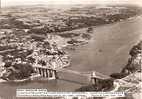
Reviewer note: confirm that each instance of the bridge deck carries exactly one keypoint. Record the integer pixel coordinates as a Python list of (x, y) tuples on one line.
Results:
[(85, 74)]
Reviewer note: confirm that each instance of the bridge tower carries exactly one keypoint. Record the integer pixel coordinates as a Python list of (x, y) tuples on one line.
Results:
[(94, 78)]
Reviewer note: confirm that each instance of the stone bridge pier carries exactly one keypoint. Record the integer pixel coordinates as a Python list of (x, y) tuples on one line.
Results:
[(46, 72)]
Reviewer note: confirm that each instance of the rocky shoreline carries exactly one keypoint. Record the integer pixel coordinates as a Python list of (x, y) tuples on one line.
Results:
[(128, 80), (134, 62)]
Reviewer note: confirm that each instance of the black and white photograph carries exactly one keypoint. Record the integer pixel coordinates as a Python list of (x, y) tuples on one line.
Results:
[(70, 49)]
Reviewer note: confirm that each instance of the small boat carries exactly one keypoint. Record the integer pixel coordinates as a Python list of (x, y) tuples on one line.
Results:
[(76, 42)]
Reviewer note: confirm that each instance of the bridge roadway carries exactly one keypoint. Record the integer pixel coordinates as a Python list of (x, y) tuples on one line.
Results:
[(85, 74)]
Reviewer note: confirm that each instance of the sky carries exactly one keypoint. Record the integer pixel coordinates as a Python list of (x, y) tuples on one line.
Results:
[(32, 2)]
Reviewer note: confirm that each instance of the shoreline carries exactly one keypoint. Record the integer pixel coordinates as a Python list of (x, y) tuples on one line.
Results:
[(108, 25), (123, 20), (68, 67), (130, 76)]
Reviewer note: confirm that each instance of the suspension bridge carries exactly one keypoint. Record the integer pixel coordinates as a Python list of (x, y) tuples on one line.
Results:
[(50, 73)]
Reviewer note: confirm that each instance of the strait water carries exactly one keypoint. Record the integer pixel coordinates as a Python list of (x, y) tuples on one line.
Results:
[(107, 53)]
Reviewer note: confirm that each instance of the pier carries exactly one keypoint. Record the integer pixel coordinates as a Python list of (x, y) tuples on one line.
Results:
[(46, 72)]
